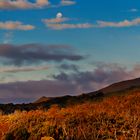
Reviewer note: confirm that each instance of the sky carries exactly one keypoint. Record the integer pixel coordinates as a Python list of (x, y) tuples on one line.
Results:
[(66, 47)]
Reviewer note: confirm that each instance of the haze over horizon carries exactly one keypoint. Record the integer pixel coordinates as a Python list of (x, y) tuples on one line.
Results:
[(66, 47)]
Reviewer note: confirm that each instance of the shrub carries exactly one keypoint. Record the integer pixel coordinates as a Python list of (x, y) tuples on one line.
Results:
[(113, 118), (22, 134), (9, 136), (18, 134)]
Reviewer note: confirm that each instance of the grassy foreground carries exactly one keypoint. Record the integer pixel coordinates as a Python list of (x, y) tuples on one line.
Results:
[(114, 118)]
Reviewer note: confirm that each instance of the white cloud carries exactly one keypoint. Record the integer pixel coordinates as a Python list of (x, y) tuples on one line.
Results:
[(42, 2), (26, 4), (15, 25), (125, 23), (67, 2), (58, 23), (69, 26), (55, 20), (22, 4)]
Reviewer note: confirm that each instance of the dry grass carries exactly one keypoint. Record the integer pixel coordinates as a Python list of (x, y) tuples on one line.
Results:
[(115, 118)]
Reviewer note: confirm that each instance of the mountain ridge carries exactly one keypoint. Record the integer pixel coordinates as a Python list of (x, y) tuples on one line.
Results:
[(116, 89)]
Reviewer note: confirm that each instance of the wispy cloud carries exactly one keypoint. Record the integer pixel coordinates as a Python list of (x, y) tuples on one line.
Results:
[(55, 20), (125, 23), (67, 2), (13, 69), (8, 36), (69, 26), (15, 25), (22, 4), (133, 10), (58, 23), (26, 4)]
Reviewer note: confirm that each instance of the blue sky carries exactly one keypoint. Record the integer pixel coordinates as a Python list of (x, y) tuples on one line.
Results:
[(65, 41)]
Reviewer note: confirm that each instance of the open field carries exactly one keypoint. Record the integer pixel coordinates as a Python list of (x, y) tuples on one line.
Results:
[(114, 118)]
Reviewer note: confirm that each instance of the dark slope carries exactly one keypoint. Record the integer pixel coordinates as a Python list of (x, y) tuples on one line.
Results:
[(42, 99), (121, 88)]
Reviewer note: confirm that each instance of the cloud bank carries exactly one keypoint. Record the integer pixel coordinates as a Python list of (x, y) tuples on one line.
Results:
[(60, 24), (34, 53), (72, 83)]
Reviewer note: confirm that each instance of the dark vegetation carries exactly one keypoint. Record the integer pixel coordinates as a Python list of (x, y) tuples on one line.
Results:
[(116, 89), (61, 101), (115, 118), (99, 115)]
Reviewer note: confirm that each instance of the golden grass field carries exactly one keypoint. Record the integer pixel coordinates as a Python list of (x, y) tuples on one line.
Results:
[(114, 118)]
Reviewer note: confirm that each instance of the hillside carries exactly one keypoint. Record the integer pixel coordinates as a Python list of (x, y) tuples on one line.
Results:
[(113, 118), (121, 88), (42, 99)]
